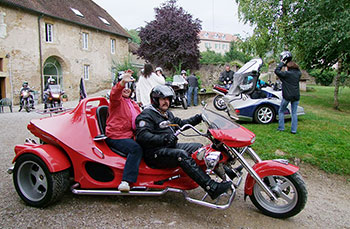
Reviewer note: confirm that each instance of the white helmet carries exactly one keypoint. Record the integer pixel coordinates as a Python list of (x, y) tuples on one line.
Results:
[(183, 72), (159, 69)]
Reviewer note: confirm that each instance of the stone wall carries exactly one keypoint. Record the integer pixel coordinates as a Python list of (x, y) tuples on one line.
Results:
[(20, 41)]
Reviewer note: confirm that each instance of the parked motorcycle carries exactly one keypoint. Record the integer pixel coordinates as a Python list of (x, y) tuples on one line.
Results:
[(179, 85), (27, 101), (54, 97), (218, 101), (42, 172)]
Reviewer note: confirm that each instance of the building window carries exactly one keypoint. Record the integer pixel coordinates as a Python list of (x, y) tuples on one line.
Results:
[(49, 32), (77, 12), (207, 45), (86, 72), (217, 46), (1, 64), (216, 36), (104, 20), (112, 46), (85, 40)]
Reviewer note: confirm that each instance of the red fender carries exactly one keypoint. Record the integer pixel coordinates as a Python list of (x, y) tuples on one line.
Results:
[(267, 168), (55, 159)]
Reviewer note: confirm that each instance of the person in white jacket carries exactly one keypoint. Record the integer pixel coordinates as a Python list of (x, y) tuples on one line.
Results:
[(145, 84)]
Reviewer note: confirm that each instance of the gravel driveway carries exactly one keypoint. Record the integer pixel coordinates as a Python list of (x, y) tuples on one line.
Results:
[(327, 206)]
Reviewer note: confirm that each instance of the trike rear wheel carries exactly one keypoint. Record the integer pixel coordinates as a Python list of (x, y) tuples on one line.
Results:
[(35, 184)]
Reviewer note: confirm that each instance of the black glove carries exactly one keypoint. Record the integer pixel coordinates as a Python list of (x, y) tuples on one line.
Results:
[(170, 140)]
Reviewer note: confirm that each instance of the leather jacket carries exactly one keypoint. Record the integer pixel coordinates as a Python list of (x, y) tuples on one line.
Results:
[(151, 136)]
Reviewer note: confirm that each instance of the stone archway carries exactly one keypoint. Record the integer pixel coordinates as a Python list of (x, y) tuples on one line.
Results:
[(53, 69)]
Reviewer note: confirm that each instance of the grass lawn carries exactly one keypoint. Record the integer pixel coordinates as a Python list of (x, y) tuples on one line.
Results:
[(323, 137)]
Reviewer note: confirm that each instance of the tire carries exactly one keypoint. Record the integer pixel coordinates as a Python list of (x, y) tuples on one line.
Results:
[(184, 103), (264, 114), (35, 184), (291, 196), (26, 105), (219, 103)]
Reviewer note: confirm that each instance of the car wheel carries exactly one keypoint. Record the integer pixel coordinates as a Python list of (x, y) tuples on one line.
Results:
[(35, 184), (264, 114)]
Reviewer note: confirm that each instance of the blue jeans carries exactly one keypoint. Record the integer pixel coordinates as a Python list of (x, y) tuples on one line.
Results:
[(283, 108), (193, 90), (134, 152)]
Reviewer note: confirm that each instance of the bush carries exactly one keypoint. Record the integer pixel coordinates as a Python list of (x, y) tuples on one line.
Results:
[(125, 66), (325, 78)]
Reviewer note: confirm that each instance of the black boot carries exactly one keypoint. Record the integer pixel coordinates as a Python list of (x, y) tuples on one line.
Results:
[(20, 108), (214, 189)]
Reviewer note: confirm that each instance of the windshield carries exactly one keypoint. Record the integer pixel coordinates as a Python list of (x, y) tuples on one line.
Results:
[(55, 88), (179, 79), (216, 121), (240, 77)]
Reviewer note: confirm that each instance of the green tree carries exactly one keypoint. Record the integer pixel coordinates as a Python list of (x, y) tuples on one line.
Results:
[(211, 57), (235, 54), (323, 37), (273, 22), (134, 36)]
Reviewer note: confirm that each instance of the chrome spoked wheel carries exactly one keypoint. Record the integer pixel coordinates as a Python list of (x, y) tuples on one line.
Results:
[(290, 192), (264, 115)]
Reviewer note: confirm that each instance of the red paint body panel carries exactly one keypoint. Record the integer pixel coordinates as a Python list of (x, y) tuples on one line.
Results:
[(267, 168), (237, 137), (54, 158)]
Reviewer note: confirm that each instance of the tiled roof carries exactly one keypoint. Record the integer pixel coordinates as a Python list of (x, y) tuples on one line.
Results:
[(215, 36), (62, 9)]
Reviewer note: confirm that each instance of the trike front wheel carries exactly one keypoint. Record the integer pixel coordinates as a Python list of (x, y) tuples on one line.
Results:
[(291, 196)]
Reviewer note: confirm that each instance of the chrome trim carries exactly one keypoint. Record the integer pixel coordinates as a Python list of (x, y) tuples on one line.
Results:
[(98, 150), (253, 155), (251, 171), (158, 193)]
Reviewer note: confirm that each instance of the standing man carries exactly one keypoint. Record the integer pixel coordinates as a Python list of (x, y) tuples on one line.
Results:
[(192, 88), (290, 89), (226, 77), (161, 149)]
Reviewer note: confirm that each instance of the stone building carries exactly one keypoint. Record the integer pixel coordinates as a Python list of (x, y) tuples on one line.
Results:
[(214, 41), (64, 40)]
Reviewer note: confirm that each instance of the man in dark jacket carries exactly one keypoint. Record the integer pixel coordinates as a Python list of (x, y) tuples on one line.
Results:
[(160, 146), (226, 77), (192, 88), (290, 89)]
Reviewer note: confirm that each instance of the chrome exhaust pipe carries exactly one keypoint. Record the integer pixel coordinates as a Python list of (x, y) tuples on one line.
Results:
[(157, 193), (10, 170)]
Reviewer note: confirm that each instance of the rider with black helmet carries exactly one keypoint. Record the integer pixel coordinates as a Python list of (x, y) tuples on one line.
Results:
[(161, 149), (25, 87)]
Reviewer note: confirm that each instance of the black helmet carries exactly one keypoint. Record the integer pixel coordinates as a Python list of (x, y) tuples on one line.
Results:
[(161, 91), (286, 56), (25, 83)]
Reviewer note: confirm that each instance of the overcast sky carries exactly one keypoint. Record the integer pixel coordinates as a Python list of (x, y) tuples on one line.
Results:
[(216, 16)]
